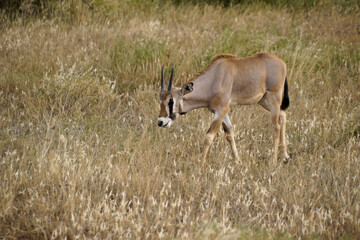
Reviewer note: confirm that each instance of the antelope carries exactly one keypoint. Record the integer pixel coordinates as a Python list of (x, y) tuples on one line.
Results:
[(226, 81)]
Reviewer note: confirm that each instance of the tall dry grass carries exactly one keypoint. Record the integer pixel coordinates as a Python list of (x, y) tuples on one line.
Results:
[(82, 157)]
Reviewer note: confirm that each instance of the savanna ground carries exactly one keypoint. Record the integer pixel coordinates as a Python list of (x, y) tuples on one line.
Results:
[(82, 156)]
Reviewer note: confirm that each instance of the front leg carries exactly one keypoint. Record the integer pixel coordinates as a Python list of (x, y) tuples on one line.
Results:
[(214, 128), (230, 136)]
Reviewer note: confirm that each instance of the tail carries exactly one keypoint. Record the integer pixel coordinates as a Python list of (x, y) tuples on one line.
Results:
[(286, 101)]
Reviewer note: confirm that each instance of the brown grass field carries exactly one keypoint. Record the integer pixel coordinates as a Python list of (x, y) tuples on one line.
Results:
[(81, 156)]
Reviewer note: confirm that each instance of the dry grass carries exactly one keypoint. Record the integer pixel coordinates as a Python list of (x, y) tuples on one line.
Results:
[(82, 157)]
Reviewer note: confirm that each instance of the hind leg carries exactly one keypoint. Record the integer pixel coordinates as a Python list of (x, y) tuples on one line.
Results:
[(230, 136), (282, 136), (271, 102), (275, 119)]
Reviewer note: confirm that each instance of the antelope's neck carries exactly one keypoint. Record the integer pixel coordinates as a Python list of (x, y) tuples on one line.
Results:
[(189, 103)]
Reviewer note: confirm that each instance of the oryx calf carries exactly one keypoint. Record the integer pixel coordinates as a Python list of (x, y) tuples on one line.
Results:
[(227, 81)]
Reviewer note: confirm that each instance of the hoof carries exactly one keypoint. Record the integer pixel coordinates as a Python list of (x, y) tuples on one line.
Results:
[(286, 160), (201, 164), (237, 160)]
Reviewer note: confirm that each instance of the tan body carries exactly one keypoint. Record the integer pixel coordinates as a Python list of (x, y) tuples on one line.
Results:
[(227, 81)]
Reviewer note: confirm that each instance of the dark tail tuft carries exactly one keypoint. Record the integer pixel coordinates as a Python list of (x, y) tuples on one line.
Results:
[(286, 101)]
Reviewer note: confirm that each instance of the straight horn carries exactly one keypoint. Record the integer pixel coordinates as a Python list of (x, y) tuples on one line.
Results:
[(170, 81), (162, 79)]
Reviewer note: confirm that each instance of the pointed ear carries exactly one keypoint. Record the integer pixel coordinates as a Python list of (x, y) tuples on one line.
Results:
[(188, 87)]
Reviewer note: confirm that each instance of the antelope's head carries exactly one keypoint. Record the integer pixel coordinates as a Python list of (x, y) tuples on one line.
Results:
[(168, 99), (170, 102)]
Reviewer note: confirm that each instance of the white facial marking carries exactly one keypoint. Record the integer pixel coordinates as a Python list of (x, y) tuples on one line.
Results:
[(165, 122)]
